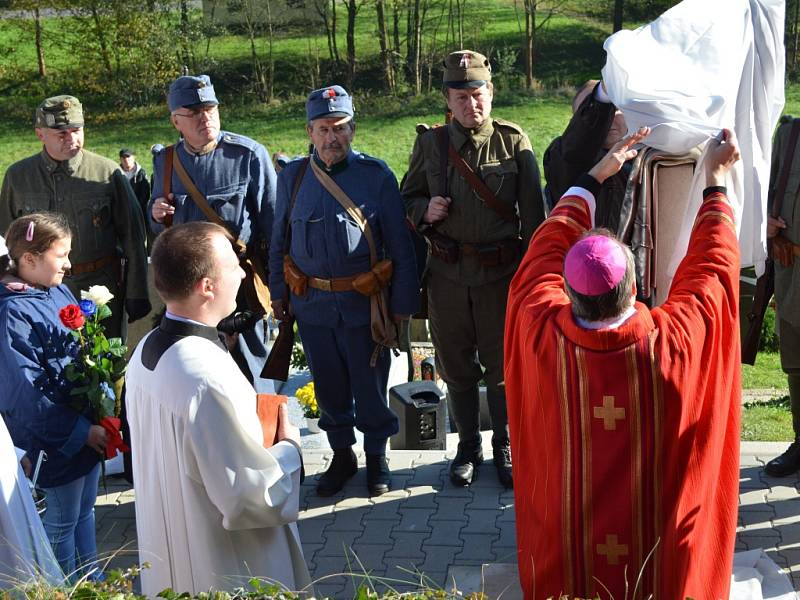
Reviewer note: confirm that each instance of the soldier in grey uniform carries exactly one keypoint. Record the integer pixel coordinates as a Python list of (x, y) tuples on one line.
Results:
[(785, 235), (476, 241), (329, 252), (235, 175), (98, 201)]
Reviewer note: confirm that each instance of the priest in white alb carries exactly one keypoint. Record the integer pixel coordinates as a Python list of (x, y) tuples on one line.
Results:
[(214, 507)]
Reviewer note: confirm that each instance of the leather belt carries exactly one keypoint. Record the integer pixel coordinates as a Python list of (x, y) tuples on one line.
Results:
[(336, 284), (469, 249), (90, 267)]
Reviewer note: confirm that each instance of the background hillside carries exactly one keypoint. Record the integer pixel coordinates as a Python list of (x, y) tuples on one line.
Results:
[(119, 56)]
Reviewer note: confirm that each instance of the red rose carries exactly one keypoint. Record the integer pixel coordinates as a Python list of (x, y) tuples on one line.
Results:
[(71, 316)]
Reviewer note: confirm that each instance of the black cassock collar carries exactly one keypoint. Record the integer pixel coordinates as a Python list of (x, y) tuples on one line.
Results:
[(171, 331)]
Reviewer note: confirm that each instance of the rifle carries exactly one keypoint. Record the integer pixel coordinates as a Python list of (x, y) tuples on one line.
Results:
[(277, 364), (765, 285)]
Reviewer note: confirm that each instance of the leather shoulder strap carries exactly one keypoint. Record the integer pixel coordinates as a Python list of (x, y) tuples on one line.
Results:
[(353, 210), (167, 181), (195, 194), (777, 201), (298, 181), (479, 187), (443, 137)]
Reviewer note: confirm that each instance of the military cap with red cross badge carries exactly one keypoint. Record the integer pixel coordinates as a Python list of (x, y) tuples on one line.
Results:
[(466, 69), (329, 102)]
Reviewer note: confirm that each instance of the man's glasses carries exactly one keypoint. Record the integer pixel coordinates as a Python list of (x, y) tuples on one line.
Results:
[(196, 113)]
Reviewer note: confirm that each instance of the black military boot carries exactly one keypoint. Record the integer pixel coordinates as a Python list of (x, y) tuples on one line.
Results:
[(785, 464), (502, 462), (464, 467), (789, 462), (378, 475), (343, 466)]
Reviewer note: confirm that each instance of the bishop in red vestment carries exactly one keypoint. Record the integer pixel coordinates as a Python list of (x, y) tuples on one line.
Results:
[(625, 430)]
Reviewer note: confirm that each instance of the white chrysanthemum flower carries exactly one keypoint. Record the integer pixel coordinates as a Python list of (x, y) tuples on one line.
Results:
[(98, 294)]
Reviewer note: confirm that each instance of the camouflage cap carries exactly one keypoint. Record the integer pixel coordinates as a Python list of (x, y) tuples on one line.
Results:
[(191, 90), (466, 69), (59, 112)]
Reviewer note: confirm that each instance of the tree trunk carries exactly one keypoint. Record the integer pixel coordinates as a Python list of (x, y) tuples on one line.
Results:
[(259, 78), (618, 5), (333, 31), (530, 28), (39, 48), (101, 39), (795, 37), (187, 51), (352, 10), (270, 55), (415, 62), (460, 22), (386, 58), (396, 26)]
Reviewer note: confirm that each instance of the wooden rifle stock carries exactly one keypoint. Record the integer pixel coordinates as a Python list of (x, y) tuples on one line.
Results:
[(765, 287), (277, 365)]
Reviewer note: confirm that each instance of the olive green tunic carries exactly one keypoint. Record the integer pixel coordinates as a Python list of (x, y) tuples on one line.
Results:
[(102, 211), (467, 300), (501, 154)]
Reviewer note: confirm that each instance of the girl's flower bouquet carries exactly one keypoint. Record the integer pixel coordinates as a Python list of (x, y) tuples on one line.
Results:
[(308, 400), (99, 364)]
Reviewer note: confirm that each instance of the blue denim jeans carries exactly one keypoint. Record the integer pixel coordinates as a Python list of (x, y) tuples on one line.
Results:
[(69, 524)]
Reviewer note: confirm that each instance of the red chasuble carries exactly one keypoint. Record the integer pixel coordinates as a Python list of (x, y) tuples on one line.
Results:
[(626, 441)]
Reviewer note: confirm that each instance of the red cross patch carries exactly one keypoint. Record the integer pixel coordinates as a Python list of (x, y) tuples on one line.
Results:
[(465, 58), (329, 93)]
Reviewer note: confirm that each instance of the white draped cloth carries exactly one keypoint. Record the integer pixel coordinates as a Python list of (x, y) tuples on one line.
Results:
[(25, 553), (213, 506), (701, 66)]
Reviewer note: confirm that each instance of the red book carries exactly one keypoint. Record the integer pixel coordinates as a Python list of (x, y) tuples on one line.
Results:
[(267, 406)]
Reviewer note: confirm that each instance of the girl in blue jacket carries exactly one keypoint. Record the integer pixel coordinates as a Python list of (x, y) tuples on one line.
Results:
[(35, 400)]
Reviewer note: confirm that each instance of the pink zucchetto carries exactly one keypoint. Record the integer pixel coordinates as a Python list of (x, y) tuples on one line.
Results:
[(595, 265)]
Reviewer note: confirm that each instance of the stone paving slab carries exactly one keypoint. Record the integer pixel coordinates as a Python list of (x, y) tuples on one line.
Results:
[(426, 525)]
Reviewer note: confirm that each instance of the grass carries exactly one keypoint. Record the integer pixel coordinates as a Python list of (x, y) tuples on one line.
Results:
[(385, 126), (569, 52), (765, 374), (767, 421)]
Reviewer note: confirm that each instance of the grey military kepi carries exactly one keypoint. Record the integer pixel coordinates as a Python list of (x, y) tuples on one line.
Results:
[(329, 102), (59, 112), (191, 90), (466, 69)]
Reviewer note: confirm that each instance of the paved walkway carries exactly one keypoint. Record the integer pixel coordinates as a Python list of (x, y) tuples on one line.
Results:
[(424, 525)]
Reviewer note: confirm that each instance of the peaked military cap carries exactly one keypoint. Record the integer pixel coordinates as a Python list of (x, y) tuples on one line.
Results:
[(333, 101), (191, 90), (59, 112), (466, 69)]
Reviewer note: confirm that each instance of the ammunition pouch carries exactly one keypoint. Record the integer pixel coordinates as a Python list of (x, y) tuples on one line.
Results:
[(441, 246), (490, 254), (496, 253), (374, 280), (294, 277)]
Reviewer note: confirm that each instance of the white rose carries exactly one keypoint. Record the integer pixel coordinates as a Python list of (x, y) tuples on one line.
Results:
[(98, 294)]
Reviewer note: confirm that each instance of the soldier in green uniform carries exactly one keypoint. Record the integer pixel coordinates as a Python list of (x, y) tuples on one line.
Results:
[(108, 247), (785, 235), (473, 190)]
